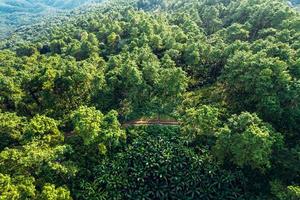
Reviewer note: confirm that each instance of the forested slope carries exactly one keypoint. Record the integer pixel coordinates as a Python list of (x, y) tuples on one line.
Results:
[(227, 70), (17, 13)]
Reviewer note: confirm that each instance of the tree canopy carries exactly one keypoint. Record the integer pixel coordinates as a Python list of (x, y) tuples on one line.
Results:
[(225, 74)]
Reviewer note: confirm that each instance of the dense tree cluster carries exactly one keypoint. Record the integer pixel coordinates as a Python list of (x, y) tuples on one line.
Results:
[(227, 70)]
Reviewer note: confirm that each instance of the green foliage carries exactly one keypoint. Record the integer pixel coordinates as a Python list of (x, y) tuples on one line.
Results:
[(70, 84), (87, 123), (144, 84), (43, 128), (19, 187), (200, 121), (282, 192), (158, 166), (266, 87), (56, 46), (49, 192), (25, 51), (32, 156), (246, 140), (94, 127), (58, 85), (11, 129), (294, 192)]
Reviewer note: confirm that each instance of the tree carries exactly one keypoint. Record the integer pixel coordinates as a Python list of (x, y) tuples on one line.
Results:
[(50, 192), (258, 83), (95, 128), (26, 50), (61, 85), (171, 84), (87, 123), (18, 187), (210, 19), (31, 158), (236, 32), (43, 128), (11, 93), (11, 129), (282, 192), (246, 141), (148, 85), (113, 38), (56, 46), (197, 122)]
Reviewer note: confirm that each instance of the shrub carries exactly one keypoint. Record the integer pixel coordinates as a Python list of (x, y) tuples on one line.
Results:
[(157, 165)]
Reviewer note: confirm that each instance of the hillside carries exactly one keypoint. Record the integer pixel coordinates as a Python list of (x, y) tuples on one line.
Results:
[(16, 13), (38, 6), (296, 4), (153, 99)]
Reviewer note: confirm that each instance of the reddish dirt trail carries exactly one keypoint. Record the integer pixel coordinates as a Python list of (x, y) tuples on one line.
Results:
[(140, 123), (152, 122)]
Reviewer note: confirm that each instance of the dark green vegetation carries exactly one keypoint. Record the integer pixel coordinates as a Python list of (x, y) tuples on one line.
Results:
[(16, 13), (227, 70)]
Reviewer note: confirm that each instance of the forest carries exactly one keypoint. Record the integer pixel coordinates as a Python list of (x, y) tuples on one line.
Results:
[(226, 71), (16, 13)]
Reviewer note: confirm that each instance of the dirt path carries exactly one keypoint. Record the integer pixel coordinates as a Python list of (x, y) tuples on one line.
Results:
[(140, 123), (152, 122)]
